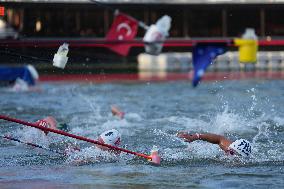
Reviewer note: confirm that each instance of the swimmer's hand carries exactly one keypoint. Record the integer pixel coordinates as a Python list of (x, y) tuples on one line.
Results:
[(117, 112), (188, 137)]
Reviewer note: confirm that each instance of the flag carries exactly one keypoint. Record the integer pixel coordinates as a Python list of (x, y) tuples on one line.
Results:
[(10, 74), (156, 35), (203, 55), (123, 28), (2, 11)]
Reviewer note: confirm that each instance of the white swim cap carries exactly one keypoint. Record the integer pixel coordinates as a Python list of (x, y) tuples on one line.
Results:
[(242, 147), (111, 137)]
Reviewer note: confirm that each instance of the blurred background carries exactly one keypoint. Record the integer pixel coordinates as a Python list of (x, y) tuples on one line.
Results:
[(36, 29)]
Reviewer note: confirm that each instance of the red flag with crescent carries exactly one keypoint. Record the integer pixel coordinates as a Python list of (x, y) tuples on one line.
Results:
[(123, 28), (2, 11)]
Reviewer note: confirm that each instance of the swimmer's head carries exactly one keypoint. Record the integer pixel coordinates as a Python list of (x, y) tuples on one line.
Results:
[(52, 123), (48, 122), (110, 137), (241, 147)]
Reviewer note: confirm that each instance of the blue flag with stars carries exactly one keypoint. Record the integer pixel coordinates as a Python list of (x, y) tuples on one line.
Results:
[(203, 55)]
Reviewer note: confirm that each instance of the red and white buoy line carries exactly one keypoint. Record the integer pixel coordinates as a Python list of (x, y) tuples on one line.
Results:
[(154, 157)]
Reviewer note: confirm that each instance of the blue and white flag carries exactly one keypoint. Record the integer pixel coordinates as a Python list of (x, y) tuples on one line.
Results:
[(10, 74), (203, 55)]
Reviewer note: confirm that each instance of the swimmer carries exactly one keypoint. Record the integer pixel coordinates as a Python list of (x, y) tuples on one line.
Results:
[(239, 147), (117, 112), (50, 122), (111, 137)]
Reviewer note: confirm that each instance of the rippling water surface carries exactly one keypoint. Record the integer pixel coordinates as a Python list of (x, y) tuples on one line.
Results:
[(251, 109)]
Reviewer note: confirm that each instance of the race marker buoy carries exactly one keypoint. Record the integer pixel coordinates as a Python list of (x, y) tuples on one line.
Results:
[(248, 46), (154, 157)]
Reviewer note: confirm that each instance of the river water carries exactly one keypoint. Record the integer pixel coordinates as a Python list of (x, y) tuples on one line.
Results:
[(250, 109)]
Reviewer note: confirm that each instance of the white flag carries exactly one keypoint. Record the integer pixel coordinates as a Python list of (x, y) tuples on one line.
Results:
[(156, 35)]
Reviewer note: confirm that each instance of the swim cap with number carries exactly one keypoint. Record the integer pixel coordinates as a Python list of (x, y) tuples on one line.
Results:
[(111, 137), (242, 147)]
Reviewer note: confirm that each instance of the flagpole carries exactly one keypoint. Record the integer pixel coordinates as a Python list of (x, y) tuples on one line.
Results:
[(116, 11), (143, 25)]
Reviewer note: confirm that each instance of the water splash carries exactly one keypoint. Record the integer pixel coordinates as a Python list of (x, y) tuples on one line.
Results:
[(91, 155), (229, 122), (235, 112), (32, 135)]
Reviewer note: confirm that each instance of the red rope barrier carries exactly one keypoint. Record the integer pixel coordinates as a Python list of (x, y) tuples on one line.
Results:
[(72, 136)]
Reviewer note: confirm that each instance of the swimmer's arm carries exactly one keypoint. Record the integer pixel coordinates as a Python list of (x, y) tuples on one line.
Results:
[(117, 112), (223, 142)]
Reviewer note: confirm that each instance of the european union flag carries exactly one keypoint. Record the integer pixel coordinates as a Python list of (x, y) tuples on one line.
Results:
[(203, 54)]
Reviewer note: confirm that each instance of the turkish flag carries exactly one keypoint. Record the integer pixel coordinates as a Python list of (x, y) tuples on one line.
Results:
[(2, 11), (123, 28)]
